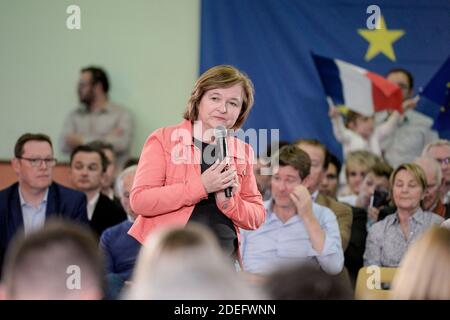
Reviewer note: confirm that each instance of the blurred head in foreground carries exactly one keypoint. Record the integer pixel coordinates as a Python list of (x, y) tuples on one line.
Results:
[(59, 261), (306, 282), (424, 272), (183, 264)]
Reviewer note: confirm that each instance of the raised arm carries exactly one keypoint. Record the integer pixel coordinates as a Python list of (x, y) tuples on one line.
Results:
[(341, 133), (387, 127)]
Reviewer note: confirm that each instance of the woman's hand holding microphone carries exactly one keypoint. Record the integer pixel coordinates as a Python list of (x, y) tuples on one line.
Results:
[(217, 179)]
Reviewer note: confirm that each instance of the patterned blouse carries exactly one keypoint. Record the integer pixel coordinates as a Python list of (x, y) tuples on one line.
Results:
[(386, 244)]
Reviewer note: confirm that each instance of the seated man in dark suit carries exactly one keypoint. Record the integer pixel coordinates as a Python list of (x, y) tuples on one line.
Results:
[(119, 248), (87, 166), (111, 169), (29, 202)]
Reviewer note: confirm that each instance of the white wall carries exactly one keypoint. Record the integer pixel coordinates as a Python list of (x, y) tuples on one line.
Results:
[(148, 47)]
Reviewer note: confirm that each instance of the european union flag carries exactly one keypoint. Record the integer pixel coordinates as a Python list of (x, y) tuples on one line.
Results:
[(271, 41), (438, 91)]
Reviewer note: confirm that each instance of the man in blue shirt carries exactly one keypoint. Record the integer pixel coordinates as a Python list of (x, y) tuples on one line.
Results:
[(296, 229)]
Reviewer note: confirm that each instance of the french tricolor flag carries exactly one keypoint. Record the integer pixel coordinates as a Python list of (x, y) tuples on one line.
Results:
[(356, 88)]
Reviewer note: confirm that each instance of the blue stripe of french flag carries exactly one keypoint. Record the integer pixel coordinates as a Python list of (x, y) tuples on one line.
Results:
[(358, 89)]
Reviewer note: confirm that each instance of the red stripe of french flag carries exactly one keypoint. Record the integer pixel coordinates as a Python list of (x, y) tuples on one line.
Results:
[(386, 95)]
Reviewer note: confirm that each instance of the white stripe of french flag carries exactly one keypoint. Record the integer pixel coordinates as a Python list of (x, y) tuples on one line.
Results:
[(366, 92)]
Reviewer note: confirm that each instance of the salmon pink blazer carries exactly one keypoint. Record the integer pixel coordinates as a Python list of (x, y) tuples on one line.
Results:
[(167, 185)]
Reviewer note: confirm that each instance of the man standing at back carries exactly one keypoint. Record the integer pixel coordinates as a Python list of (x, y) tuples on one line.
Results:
[(29, 202), (97, 118), (413, 131)]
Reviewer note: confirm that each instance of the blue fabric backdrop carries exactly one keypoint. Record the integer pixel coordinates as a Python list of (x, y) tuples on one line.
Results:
[(271, 40)]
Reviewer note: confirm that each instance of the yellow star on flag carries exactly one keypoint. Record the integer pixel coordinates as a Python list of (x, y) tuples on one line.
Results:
[(380, 40)]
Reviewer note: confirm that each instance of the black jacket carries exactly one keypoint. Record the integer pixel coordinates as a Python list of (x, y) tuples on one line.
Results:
[(357, 245), (61, 202), (106, 214)]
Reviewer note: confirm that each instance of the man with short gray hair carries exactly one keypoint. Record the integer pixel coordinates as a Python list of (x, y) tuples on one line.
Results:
[(431, 200), (120, 249), (440, 151)]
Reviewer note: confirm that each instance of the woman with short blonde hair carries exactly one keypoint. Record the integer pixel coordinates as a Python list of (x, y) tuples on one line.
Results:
[(184, 175), (388, 239), (222, 76)]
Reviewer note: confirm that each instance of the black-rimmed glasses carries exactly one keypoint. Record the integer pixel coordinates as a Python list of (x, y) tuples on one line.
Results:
[(37, 162), (444, 160)]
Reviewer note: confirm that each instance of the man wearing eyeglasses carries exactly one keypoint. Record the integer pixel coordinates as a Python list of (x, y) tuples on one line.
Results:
[(440, 151), (29, 202), (432, 200)]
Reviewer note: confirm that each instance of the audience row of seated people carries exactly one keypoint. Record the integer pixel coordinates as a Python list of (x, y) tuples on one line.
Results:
[(188, 263), (377, 196), (35, 198), (322, 223), (304, 223), (310, 217)]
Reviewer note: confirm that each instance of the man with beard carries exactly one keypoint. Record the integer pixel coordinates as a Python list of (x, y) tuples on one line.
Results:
[(97, 118), (87, 168)]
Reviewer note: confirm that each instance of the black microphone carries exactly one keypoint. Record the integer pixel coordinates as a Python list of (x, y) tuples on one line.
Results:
[(220, 133)]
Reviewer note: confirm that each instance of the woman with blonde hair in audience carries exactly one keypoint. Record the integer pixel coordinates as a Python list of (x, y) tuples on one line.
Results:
[(425, 270), (389, 238), (186, 263), (356, 166)]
